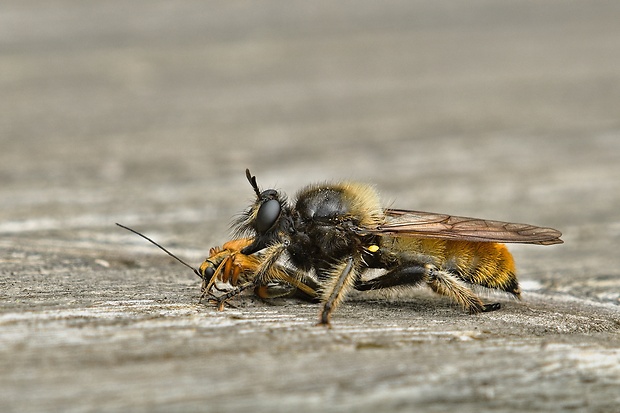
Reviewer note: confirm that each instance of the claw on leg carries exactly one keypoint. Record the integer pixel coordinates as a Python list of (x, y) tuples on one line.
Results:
[(491, 307)]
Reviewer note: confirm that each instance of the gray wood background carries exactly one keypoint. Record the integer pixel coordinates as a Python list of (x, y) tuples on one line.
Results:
[(148, 112)]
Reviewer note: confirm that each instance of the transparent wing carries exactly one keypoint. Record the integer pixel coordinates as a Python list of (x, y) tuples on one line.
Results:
[(420, 224)]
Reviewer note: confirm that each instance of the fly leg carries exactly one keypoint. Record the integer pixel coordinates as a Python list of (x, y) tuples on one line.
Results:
[(410, 275), (440, 281), (445, 283), (288, 282), (341, 279)]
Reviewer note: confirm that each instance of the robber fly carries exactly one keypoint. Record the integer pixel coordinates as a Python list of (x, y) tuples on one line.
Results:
[(338, 231)]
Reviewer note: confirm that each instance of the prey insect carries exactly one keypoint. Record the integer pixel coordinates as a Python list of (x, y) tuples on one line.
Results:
[(227, 265), (339, 231)]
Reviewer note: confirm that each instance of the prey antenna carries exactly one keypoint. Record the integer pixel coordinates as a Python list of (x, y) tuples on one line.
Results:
[(252, 181), (163, 249)]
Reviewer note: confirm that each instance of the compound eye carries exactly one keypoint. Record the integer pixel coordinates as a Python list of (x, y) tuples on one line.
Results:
[(208, 273), (267, 215)]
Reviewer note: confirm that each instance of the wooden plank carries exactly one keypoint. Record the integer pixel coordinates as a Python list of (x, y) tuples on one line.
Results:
[(147, 113)]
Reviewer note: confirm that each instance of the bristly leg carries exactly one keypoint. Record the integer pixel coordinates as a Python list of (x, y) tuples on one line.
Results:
[(344, 276), (267, 270), (445, 283)]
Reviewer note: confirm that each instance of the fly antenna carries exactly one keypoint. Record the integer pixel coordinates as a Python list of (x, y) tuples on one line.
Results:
[(162, 248), (252, 181)]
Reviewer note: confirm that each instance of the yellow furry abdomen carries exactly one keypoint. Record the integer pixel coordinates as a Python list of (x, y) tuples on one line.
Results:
[(483, 263)]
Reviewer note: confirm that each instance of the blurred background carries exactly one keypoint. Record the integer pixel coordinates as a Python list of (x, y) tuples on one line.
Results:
[(150, 111), (147, 113)]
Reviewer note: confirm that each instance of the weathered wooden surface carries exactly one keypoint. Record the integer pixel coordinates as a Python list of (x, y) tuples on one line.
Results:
[(147, 113)]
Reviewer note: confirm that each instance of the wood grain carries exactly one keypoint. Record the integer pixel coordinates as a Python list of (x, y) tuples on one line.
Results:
[(147, 113)]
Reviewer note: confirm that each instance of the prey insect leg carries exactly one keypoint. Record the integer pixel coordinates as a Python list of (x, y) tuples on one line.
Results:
[(222, 299), (266, 271)]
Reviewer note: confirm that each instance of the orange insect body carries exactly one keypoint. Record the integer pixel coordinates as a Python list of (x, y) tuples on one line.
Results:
[(227, 264)]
